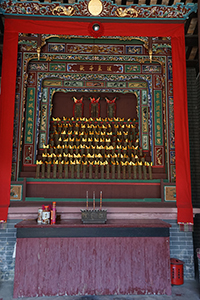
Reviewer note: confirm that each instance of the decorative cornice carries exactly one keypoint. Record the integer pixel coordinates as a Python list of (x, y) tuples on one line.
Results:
[(84, 9)]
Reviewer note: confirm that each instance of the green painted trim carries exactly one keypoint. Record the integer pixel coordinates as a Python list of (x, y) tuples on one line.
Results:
[(43, 124), (133, 68), (57, 68), (158, 118), (30, 112), (102, 40), (90, 200), (145, 120), (20, 179), (70, 83), (89, 180), (116, 84), (145, 141), (131, 60)]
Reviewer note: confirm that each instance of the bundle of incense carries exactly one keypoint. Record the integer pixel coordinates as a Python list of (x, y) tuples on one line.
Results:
[(87, 200), (93, 200), (53, 214), (100, 200)]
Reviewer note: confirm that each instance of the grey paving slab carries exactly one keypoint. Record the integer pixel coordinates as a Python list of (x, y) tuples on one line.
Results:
[(188, 291)]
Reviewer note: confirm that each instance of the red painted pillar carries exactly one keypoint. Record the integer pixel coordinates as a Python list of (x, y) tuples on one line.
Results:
[(199, 31), (7, 100), (183, 178)]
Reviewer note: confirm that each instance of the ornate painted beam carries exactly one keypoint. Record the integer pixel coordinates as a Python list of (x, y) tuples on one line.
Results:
[(97, 9)]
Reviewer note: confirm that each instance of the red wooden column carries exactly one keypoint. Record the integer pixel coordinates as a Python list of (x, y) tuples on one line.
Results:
[(183, 178), (199, 31), (7, 100)]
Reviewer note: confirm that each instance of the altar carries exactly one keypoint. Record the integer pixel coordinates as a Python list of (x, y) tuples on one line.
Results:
[(70, 258)]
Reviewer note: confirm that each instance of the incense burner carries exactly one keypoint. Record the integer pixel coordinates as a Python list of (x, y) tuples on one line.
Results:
[(94, 216)]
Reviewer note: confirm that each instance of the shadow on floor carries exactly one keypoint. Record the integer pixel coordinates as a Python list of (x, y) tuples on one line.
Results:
[(188, 291)]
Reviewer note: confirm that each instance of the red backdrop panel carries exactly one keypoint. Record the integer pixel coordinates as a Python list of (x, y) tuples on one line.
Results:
[(8, 81), (174, 30)]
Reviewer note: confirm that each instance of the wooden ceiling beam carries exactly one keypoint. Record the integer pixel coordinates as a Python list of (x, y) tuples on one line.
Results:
[(187, 24), (189, 49), (197, 55), (191, 40), (196, 28), (171, 2), (198, 22), (1, 24), (192, 64)]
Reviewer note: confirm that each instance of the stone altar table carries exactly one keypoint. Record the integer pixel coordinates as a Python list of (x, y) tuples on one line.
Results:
[(71, 258)]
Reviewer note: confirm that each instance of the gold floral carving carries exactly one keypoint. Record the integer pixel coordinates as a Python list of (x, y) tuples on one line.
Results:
[(38, 52), (126, 12), (59, 10), (159, 156)]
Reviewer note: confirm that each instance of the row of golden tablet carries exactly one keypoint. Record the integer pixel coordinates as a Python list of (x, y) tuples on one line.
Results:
[(96, 134), (90, 147), (93, 129), (96, 160), (135, 156), (95, 125), (98, 127), (87, 141), (99, 119), (77, 162), (89, 144), (95, 138)]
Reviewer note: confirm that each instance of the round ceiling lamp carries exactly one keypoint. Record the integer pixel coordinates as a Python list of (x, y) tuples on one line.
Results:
[(96, 29)]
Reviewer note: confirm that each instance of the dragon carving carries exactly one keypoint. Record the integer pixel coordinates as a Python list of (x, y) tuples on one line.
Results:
[(68, 11), (127, 12)]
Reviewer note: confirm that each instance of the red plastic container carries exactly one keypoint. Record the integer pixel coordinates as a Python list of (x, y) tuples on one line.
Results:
[(176, 271)]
